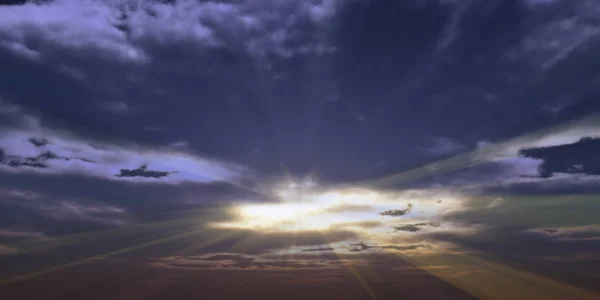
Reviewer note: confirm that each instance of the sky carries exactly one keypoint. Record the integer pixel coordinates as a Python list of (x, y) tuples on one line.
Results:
[(309, 149)]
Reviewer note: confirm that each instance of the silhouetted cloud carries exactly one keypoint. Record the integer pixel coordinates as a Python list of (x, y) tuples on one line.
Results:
[(39, 161), (397, 212), (579, 157), (318, 249), (360, 247), (415, 227), (143, 171)]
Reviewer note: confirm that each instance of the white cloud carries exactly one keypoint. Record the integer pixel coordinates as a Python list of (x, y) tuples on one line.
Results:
[(67, 24), (121, 28), (75, 155)]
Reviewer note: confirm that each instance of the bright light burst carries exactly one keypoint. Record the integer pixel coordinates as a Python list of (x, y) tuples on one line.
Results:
[(308, 208)]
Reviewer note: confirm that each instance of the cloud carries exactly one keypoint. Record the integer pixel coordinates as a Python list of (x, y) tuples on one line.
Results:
[(397, 212), (415, 227), (569, 234), (237, 261), (122, 29), (142, 171), (578, 157), (573, 257), (320, 249), (34, 147), (405, 248), (362, 247)]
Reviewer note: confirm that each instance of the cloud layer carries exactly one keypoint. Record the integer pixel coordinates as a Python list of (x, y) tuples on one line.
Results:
[(123, 29)]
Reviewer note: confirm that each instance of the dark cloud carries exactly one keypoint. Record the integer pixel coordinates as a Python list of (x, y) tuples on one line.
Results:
[(321, 249), (143, 171), (415, 227), (580, 157), (40, 161), (39, 142), (397, 212), (360, 247)]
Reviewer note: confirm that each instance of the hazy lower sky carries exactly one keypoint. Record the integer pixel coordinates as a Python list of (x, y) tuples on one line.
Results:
[(300, 149)]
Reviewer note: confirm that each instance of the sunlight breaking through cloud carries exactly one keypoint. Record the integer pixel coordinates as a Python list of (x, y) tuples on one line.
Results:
[(357, 210)]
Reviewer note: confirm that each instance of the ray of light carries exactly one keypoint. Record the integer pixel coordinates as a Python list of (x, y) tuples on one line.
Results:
[(83, 237), (352, 269), (82, 294), (90, 259), (177, 219), (564, 133), (485, 279)]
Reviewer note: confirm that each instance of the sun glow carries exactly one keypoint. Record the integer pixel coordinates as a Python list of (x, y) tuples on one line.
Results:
[(307, 208)]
